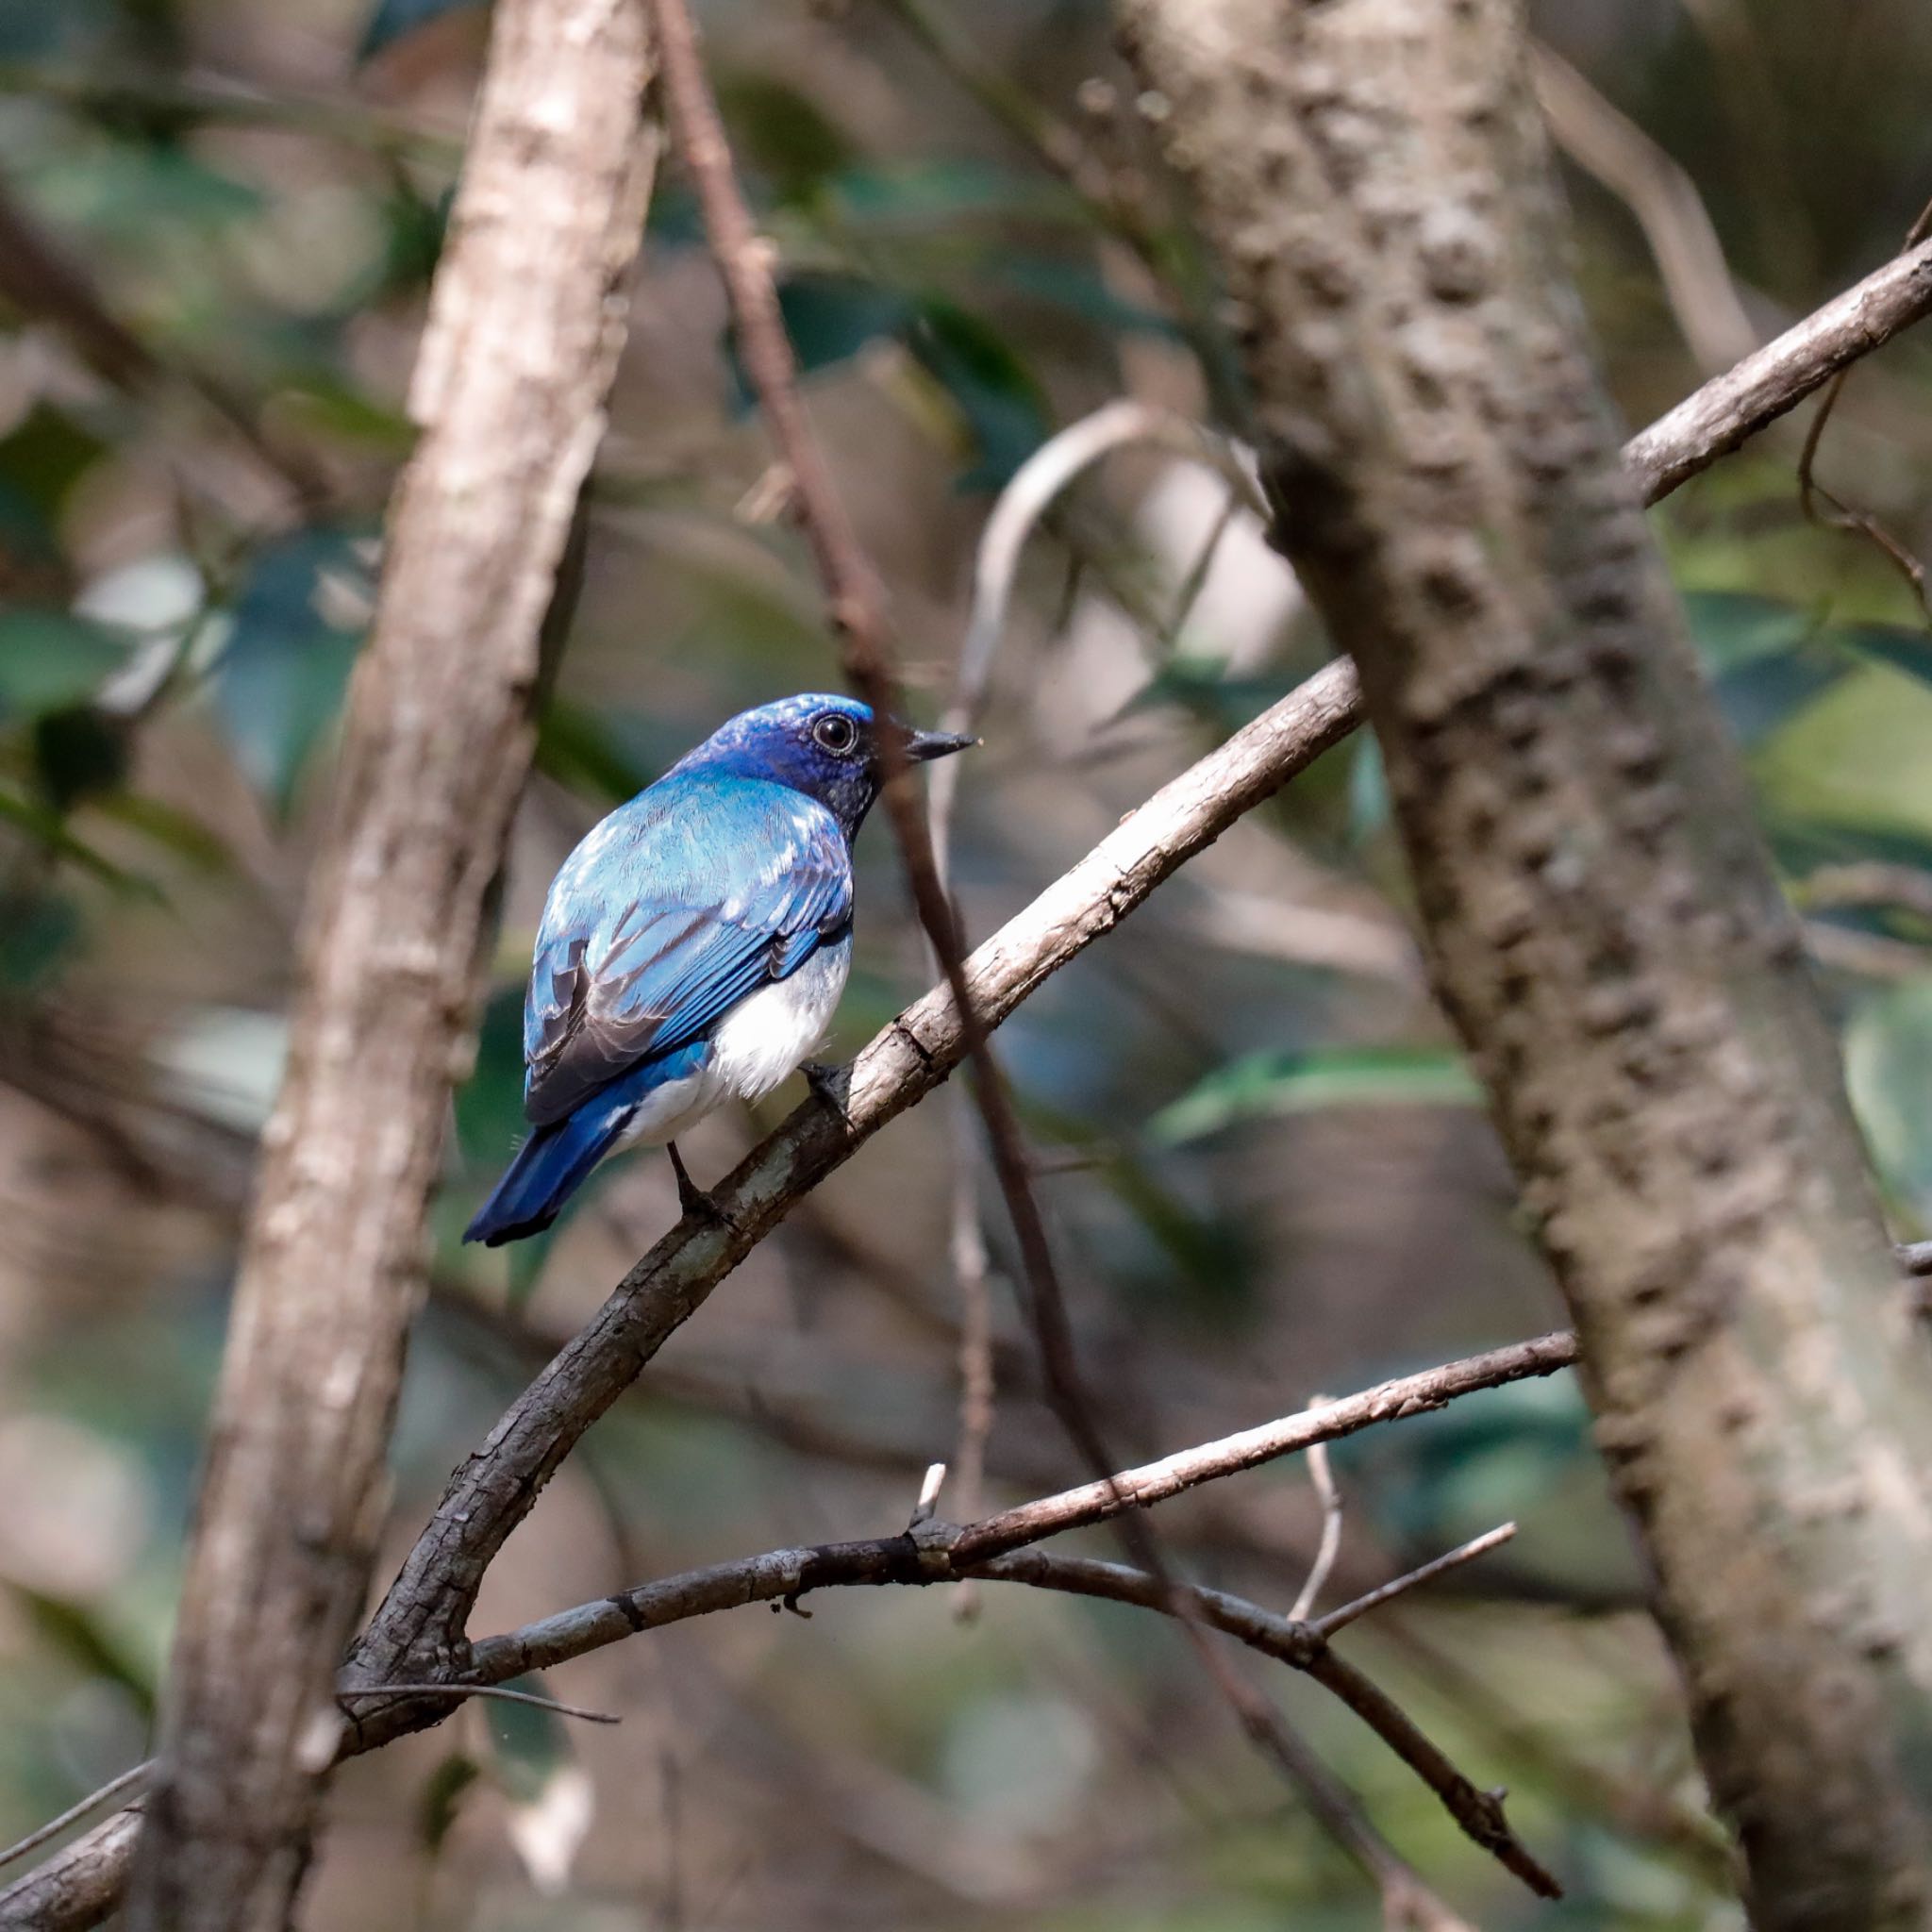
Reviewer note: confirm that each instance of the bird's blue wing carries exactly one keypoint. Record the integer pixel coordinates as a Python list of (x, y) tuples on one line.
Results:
[(681, 903)]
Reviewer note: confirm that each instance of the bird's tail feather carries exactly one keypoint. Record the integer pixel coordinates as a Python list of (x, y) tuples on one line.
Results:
[(549, 1168)]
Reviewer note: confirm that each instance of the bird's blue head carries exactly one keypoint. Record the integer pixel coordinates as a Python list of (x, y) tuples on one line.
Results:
[(828, 747)]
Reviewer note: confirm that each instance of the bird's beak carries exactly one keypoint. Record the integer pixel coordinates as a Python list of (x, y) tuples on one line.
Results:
[(922, 747)]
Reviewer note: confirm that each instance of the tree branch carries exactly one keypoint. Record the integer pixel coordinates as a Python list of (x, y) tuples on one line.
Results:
[(1714, 420)]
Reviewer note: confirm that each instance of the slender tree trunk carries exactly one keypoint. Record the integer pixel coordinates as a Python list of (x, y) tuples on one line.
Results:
[(1602, 924), (525, 321)]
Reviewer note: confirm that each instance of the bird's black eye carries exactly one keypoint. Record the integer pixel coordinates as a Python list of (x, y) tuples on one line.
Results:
[(836, 732)]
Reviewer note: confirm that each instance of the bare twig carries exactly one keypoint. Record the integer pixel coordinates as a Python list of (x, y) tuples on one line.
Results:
[(1016, 513), (81, 1884), (1734, 407), (1154, 1482), (1866, 883), (978, 1383), (856, 602), (1604, 142), (487, 1690), (84, 1880), (933, 1553), (1330, 1546), (114, 1788), (1453, 1560), (1837, 515), (219, 99)]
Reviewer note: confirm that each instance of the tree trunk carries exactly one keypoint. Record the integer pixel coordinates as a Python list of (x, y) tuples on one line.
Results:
[(1602, 924), (527, 318)]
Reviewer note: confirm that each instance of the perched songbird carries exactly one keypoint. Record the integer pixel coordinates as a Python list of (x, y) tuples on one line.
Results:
[(693, 947)]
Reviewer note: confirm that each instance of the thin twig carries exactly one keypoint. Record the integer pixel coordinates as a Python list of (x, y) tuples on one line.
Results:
[(1330, 1546), (114, 1788), (1734, 407), (1872, 882), (855, 600), (1022, 503), (1465, 1552), (935, 1555), (1837, 515), (489, 1691), (978, 1381), (1606, 143)]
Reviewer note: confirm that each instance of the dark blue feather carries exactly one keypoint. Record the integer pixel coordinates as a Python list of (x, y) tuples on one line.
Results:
[(557, 1159)]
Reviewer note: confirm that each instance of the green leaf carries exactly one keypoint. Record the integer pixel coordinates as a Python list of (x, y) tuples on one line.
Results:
[(50, 660), (1267, 1084), (1904, 647), (77, 1632), (1888, 1073), (1201, 686), (1768, 659), (1078, 288), (829, 319), (45, 825), (40, 931), (79, 753), (1368, 790), (1211, 1255), (169, 827), (280, 682), (1004, 409), (783, 140), (143, 193), (41, 459), (490, 1103), (534, 1761), (441, 1800), (924, 194)]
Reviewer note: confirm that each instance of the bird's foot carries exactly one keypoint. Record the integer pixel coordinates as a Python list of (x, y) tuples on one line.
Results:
[(830, 1084), (693, 1204)]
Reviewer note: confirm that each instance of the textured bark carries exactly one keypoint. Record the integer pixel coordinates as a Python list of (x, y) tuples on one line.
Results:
[(525, 321), (1602, 924)]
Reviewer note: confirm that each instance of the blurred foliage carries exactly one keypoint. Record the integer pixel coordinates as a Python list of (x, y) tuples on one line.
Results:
[(1260, 1150)]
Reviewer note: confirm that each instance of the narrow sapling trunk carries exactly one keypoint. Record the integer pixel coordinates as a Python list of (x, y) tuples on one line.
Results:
[(526, 321)]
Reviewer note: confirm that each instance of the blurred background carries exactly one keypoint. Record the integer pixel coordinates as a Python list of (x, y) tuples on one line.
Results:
[(1259, 1150)]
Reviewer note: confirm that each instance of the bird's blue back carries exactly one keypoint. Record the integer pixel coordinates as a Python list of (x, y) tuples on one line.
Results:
[(706, 886)]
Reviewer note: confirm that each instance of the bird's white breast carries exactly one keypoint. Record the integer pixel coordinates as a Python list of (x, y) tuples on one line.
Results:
[(755, 1044)]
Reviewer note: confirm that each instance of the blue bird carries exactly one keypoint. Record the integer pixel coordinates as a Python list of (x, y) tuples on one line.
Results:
[(693, 946)]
